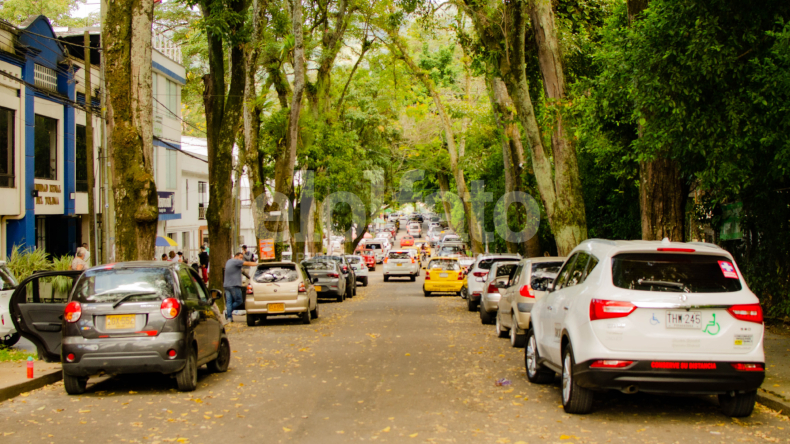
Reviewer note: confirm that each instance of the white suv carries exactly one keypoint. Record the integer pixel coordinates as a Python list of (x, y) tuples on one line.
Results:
[(401, 263), (477, 276), (652, 316), (414, 229)]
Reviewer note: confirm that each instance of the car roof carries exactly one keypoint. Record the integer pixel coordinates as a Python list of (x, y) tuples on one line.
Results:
[(604, 247), (484, 256), (448, 258), (541, 259)]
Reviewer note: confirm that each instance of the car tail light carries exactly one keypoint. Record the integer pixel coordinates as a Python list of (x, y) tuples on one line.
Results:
[(412, 260), (302, 288), (171, 353), (749, 367), (332, 275), (678, 250), (428, 276), (480, 274), (249, 288), (70, 357), (386, 259), (750, 312), (610, 364), (526, 291), (603, 309), (345, 269), (461, 276), (170, 308), (72, 312), (492, 287)]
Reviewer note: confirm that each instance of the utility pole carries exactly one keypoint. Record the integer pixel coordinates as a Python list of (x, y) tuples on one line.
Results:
[(89, 146)]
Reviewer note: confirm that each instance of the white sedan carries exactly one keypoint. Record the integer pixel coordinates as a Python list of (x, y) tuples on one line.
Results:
[(401, 263), (360, 268)]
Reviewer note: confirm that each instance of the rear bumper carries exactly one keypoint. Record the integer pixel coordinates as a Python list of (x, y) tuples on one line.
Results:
[(292, 306), (490, 302), (401, 271), (123, 355), (642, 374), (440, 287)]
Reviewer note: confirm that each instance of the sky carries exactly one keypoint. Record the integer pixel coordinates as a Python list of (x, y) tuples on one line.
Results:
[(86, 8)]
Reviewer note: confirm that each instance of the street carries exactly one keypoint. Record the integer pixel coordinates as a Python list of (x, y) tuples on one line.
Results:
[(389, 365)]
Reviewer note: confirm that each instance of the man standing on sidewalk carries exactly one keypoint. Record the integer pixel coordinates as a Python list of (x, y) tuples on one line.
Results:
[(232, 283), (203, 258)]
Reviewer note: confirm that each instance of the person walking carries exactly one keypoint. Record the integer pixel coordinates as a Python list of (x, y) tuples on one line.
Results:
[(180, 257), (78, 263), (203, 259), (232, 283), (87, 252)]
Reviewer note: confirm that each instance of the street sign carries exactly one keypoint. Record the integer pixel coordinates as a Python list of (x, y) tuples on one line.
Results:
[(266, 248)]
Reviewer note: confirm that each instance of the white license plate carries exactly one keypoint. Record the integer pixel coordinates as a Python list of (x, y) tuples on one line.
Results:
[(443, 275), (684, 319)]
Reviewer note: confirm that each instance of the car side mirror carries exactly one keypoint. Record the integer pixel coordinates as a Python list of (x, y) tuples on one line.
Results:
[(216, 294)]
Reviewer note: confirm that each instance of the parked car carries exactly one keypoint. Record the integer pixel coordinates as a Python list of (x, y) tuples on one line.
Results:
[(8, 335), (369, 256), (455, 249), (478, 272), (377, 246), (443, 274), (359, 265), (407, 241), (278, 289), (500, 274), (348, 272), (414, 229), (327, 278), (529, 283), (652, 316), (128, 317), (401, 263), (393, 230)]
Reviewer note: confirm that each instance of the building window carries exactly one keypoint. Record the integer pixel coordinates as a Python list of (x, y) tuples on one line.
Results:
[(170, 169), (6, 148), (45, 77), (202, 200), (172, 97), (82, 160), (41, 233), (46, 148)]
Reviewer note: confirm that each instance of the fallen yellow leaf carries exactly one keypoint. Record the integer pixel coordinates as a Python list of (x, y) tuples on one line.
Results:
[(413, 435), (286, 429), (386, 429)]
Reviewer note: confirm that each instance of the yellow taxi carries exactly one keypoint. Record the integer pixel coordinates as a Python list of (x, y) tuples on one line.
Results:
[(418, 245), (443, 275)]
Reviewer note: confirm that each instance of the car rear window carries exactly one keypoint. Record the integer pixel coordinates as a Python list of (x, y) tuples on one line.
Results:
[(690, 273), (130, 284), (353, 259), (319, 265), (485, 264), (277, 273), (373, 246), (399, 255), (444, 265), (505, 269)]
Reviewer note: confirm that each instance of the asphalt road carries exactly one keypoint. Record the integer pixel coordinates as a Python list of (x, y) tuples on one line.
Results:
[(389, 365)]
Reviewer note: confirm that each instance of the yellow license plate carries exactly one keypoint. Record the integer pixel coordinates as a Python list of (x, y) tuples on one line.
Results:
[(276, 308), (317, 288), (400, 265), (119, 322)]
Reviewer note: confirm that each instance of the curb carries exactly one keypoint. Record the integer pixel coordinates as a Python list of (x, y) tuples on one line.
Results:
[(36, 383), (773, 402)]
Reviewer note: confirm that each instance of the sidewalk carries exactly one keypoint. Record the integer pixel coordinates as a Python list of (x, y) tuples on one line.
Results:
[(13, 377), (775, 392)]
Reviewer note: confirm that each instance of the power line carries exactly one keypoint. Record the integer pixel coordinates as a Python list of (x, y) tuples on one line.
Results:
[(179, 118)]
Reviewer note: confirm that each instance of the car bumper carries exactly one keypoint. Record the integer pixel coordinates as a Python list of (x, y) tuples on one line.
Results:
[(298, 305), (644, 377), (123, 355), (401, 271), (442, 287), (490, 302)]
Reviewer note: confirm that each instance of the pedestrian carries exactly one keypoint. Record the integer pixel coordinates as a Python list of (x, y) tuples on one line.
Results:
[(232, 283), (180, 257), (87, 252), (172, 256), (164, 257), (203, 259), (78, 263), (249, 256)]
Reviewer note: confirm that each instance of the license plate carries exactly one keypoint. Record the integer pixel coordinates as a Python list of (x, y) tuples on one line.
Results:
[(317, 288), (400, 265), (684, 319), (119, 322), (442, 275), (276, 308)]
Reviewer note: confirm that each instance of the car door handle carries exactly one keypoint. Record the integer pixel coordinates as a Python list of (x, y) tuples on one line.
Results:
[(549, 307), (565, 308)]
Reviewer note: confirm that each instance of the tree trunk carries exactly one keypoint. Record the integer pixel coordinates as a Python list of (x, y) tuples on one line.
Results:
[(223, 121), (444, 187), (127, 47)]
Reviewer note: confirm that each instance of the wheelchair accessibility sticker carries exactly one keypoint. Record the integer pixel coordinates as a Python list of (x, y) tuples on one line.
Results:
[(713, 328)]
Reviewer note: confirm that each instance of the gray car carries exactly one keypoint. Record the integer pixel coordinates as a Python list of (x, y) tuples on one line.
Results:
[(327, 278), (500, 273), (129, 317)]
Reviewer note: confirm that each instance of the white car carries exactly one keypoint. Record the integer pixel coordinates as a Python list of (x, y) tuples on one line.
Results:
[(360, 268), (414, 229), (401, 263), (501, 272), (378, 248), (8, 335), (652, 316), (477, 276)]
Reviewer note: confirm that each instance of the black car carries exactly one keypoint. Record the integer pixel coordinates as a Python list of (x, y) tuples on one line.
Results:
[(348, 272), (327, 278), (129, 317)]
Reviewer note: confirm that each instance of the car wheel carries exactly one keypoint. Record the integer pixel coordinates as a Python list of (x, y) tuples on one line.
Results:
[(386, 278), (536, 373), (74, 385), (10, 340), (485, 316), (738, 405), (463, 293), (341, 296), (427, 293), (413, 278), (365, 282), (314, 312), (516, 340), (470, 304), (251, 318), (575, 399), (500, 329), (354, 289), (305, 315), (187, 377), (221, 363)]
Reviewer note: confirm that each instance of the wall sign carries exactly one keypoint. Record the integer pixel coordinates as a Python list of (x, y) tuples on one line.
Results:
[(167, 203), (46, 188)]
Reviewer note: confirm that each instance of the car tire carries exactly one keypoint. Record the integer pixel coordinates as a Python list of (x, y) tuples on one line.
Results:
[(575, 399), (354, 289), (470, 304), (341, 296), (500, 329), (485, 316), (74, 385), (221, 363), (386, 278), (463, 293), (412, 278), (187, 377), (427, 293), (305, 315), (516, 340), (738, 406), (10, 340), (314, 312), (365, 282), (536, 373), (251, 318)]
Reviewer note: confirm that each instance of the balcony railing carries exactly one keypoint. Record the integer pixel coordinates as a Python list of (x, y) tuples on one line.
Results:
[(167, 47), (202, 212)]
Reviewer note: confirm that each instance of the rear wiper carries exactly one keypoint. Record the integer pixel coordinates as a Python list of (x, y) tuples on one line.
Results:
[(664, 284), (139, 293)]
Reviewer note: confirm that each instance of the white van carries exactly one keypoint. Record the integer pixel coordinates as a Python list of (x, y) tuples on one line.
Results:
[(378, 249)]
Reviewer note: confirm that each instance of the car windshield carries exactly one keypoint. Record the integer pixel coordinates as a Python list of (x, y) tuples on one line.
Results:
[(319, 265), (486, 264), (373, 246), (112, 285), (353, 259), (448, 250), (399, 255), (444, 265), (7, 280), (690, 273), (278, 273)]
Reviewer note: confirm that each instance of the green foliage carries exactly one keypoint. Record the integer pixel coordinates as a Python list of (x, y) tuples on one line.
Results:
[(15, 355), (23, 263), (57, 11), (440, 65)]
